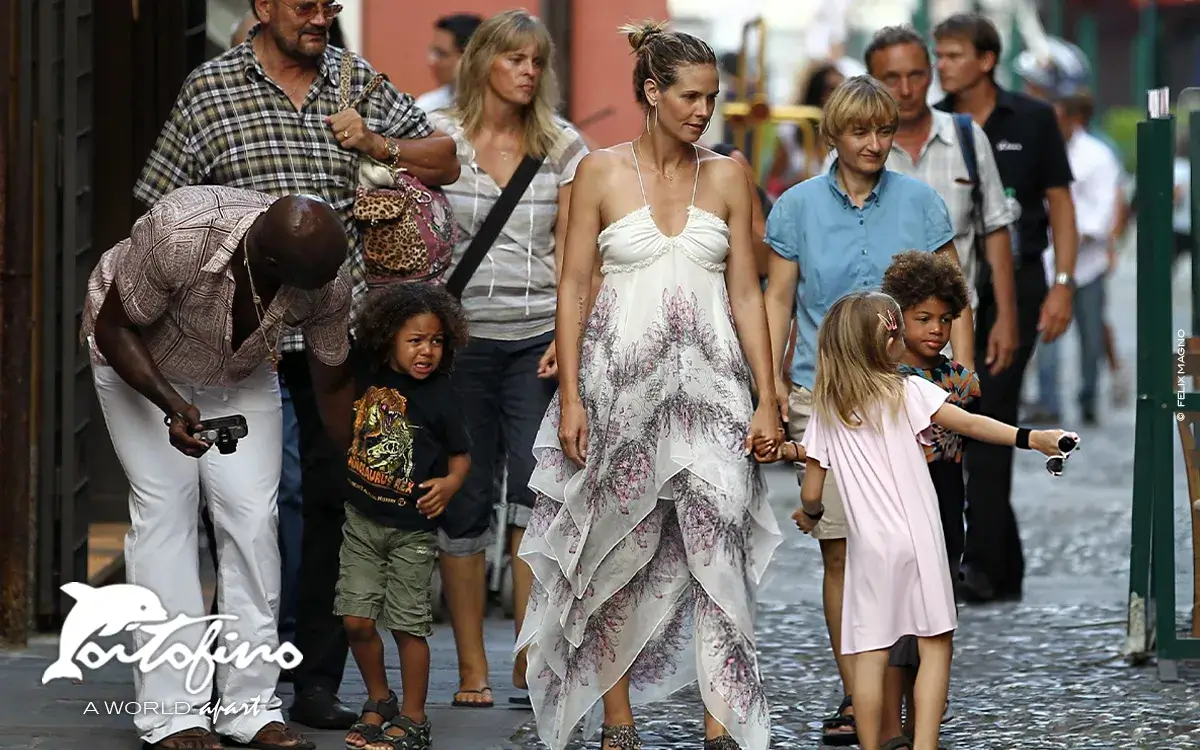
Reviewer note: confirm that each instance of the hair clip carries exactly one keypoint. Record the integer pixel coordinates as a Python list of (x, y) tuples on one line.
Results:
[(888, 320)]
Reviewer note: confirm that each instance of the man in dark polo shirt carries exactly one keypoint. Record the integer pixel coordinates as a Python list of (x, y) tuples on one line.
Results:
[(1033, 167)]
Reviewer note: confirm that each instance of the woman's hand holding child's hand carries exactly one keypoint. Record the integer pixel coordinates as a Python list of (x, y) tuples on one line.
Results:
[(433, 503), (780, 449)]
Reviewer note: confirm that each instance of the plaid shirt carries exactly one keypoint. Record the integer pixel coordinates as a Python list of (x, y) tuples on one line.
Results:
[(234, 126), (176, 285)]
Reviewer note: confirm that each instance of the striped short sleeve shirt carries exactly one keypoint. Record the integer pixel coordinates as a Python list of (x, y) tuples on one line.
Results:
[(513, 294), (232, 125)]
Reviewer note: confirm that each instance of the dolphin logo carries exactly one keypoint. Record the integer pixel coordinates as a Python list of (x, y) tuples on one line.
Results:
[(101, 611)]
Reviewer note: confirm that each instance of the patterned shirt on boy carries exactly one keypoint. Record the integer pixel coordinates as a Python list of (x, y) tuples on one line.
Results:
[(405, 431), (963, 386)]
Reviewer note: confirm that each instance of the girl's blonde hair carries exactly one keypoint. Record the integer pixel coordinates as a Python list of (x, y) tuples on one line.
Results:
[(499, 35), (860, 101), (856, 377)]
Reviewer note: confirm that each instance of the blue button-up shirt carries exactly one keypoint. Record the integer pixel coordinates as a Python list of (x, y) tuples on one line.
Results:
[(842, 248)]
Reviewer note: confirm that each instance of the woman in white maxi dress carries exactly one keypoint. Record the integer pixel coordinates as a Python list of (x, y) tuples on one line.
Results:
[(647, 557)]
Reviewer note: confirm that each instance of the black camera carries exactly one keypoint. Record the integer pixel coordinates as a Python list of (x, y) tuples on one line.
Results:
[(223, 432)]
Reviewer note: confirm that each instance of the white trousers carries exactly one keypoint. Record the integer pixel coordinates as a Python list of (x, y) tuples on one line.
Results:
[(162, 547)]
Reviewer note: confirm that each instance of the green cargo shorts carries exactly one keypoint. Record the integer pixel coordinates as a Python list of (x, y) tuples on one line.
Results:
[(386, 575)]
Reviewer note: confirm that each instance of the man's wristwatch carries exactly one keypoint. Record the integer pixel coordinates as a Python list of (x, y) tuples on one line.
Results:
[(1062, 278), (814, 516)]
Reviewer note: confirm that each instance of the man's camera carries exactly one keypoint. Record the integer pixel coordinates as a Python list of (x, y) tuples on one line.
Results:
[(223, 432)]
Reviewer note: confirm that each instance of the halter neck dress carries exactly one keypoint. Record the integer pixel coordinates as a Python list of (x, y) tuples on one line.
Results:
[(647, 560)]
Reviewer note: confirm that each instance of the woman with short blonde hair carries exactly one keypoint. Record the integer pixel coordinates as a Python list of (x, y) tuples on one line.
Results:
[(861, 102), (504, 114)]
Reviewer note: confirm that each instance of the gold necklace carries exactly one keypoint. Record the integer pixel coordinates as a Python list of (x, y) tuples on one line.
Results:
[(272, 351), (650, 166)]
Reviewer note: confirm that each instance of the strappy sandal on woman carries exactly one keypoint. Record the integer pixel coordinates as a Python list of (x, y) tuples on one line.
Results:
[(620, 737)]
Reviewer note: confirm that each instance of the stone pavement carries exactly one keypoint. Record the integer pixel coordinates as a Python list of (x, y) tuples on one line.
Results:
[(1041, 674), (53, 715)]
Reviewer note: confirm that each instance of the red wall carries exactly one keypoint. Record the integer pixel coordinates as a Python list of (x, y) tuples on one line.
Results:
[(396, 35)]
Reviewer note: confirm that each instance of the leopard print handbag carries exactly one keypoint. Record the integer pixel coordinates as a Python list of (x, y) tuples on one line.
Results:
[(408, 228)]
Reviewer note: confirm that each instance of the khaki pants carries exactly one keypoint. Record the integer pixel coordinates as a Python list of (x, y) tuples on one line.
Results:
[(833, 524)]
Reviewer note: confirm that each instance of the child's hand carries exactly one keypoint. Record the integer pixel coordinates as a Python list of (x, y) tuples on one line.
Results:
[(433, 503), (1046, 441), (804, 522), (786, 451)]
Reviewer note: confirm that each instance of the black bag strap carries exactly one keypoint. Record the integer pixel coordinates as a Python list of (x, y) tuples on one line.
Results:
[(495, 221), (966, 141)]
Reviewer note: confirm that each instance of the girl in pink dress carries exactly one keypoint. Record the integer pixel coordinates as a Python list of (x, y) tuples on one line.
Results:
[(868, 426)]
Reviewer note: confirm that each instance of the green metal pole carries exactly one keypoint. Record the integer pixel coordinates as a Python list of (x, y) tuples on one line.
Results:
[(1054, 18), (1015, 46), (1155, 189), (1145, 73), (921, 19), (1087, 36), (1194, 208)]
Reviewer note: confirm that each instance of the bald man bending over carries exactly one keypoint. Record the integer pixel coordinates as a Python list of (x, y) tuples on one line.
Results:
[(183, 322)]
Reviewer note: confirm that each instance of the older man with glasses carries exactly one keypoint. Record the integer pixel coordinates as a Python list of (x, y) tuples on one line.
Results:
[(267, 116)]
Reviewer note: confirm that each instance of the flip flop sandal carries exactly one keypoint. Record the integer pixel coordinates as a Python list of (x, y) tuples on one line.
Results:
[(897, 743), (521, 701), (470, 704), (838, 721)]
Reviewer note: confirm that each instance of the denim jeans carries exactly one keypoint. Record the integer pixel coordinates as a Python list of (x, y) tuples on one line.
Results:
[(504, 401), (1088, 311), (291, 518)]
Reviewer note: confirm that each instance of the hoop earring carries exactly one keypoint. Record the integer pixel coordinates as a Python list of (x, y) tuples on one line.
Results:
[(653, 108)]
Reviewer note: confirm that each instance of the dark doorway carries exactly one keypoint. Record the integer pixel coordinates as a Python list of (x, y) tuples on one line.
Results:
[(101, 83)]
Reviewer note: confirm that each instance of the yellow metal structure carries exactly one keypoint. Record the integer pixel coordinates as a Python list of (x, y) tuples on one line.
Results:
[(752, 114)]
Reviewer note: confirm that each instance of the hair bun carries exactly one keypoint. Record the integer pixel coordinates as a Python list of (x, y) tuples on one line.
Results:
[(639, 34)]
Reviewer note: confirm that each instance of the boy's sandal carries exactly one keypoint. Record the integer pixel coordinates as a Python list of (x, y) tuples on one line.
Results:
[(840, 721), (897, 743), (415, 736), (385, 709)]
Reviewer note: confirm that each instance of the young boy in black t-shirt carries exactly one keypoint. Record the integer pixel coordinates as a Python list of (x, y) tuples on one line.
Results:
[(408, 457)]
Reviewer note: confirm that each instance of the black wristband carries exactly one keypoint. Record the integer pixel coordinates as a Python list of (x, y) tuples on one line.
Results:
[(814, 516), (1022, 438)]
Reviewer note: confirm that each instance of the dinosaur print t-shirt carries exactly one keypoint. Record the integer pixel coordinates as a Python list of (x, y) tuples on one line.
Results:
[(405, 431)]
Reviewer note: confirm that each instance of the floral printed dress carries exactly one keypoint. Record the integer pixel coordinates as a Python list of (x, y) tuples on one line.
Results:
[(647, 560)]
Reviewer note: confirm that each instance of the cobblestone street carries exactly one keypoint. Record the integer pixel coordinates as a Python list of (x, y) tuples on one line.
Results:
[(1043, 673)]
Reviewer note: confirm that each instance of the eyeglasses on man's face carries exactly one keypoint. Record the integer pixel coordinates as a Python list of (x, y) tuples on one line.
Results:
[(306, 10)]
